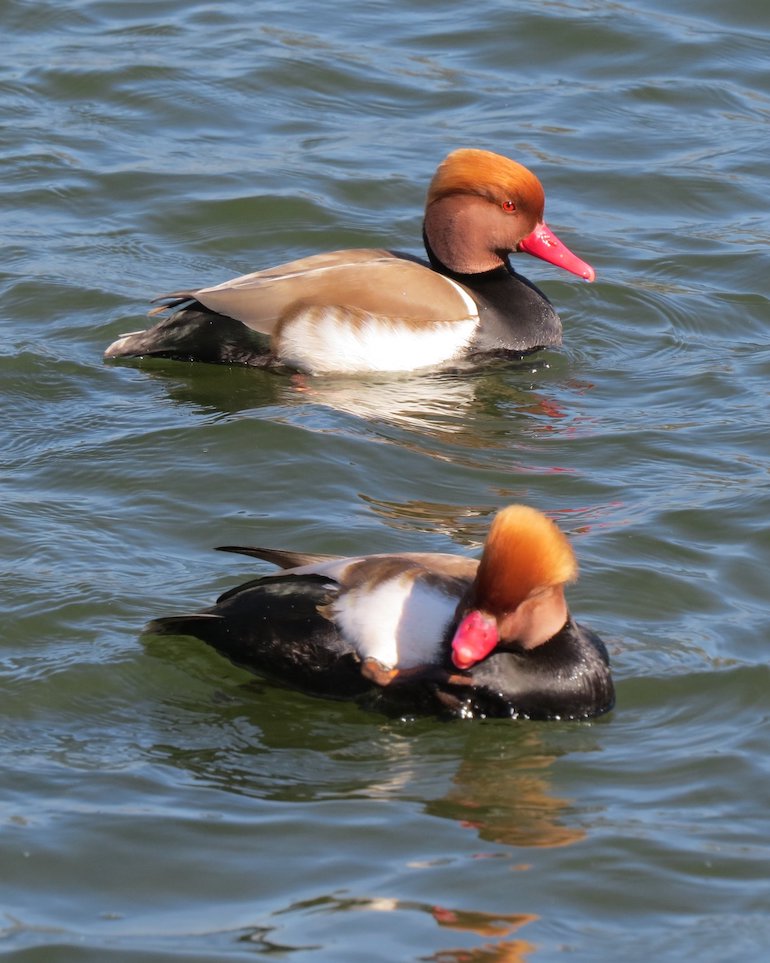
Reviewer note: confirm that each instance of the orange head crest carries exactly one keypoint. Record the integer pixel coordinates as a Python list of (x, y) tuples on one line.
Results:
[(524, 551), (471, 171)]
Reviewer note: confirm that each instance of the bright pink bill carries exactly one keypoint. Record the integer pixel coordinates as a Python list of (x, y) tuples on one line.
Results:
[(474, 639), (543, 243)]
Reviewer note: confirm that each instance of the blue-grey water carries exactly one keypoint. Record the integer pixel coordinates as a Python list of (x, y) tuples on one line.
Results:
[(158, 804)]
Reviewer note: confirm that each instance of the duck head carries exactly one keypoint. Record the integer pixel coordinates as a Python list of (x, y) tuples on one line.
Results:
[(517, 598), (481, 207)]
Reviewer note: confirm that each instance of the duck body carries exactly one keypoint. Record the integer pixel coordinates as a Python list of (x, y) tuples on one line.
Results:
[(384, 629), (365, 310)]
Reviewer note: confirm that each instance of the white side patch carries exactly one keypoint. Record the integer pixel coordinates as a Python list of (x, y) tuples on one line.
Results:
[(324, 340), (401, 623)]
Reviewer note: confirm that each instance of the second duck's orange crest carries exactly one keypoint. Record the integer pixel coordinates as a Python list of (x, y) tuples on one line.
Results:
[(524, 551)]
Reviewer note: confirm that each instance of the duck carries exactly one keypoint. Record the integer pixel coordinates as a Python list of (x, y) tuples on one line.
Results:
[(419, 632), (374, 310)]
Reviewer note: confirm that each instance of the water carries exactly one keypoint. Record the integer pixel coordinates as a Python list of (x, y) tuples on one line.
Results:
[(160, 804)]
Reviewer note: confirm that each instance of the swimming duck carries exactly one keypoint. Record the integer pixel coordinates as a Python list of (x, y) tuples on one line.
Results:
[(421, 632), (365, 310)]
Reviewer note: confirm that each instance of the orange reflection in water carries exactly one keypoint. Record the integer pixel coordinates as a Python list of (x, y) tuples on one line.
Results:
[(510, 805), (484, 924), (496, 925)]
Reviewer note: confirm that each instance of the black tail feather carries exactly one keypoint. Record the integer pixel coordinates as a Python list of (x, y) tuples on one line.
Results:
[(184, 624), (193, 333)]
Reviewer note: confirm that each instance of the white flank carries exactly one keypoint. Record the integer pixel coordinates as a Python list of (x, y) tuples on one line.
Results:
[(326, 340), (400, 623)]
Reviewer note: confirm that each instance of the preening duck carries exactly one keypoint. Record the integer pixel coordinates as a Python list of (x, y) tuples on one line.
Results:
[(377, 310), (421, 632)]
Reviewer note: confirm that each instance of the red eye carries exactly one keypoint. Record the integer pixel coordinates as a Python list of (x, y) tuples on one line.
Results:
[(508, 206)]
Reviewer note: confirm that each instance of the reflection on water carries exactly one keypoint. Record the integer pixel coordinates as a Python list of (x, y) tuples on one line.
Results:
[(445, 403), (511, 804), (499, 927), (496, 778), (329, 763), (465, 526)]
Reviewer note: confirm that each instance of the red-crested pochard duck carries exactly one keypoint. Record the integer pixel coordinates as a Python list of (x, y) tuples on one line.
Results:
[(421, 632), (374, 310)]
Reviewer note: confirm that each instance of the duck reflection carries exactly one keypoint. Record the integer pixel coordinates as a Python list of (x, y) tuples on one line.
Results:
[(472, 408), (500, 927), (491, 780), (494, 776), (509, 801)]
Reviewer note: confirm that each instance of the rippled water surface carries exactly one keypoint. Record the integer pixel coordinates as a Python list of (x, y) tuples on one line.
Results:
[(158, 803)]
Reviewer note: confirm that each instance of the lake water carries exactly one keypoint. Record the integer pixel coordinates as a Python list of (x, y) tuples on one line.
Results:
[(158, 803)]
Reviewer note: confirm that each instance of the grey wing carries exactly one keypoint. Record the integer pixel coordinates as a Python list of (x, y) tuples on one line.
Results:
[(374, 282)]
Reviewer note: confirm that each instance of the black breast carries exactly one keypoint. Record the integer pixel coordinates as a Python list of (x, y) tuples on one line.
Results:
[(514, 314), (566, 678)]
